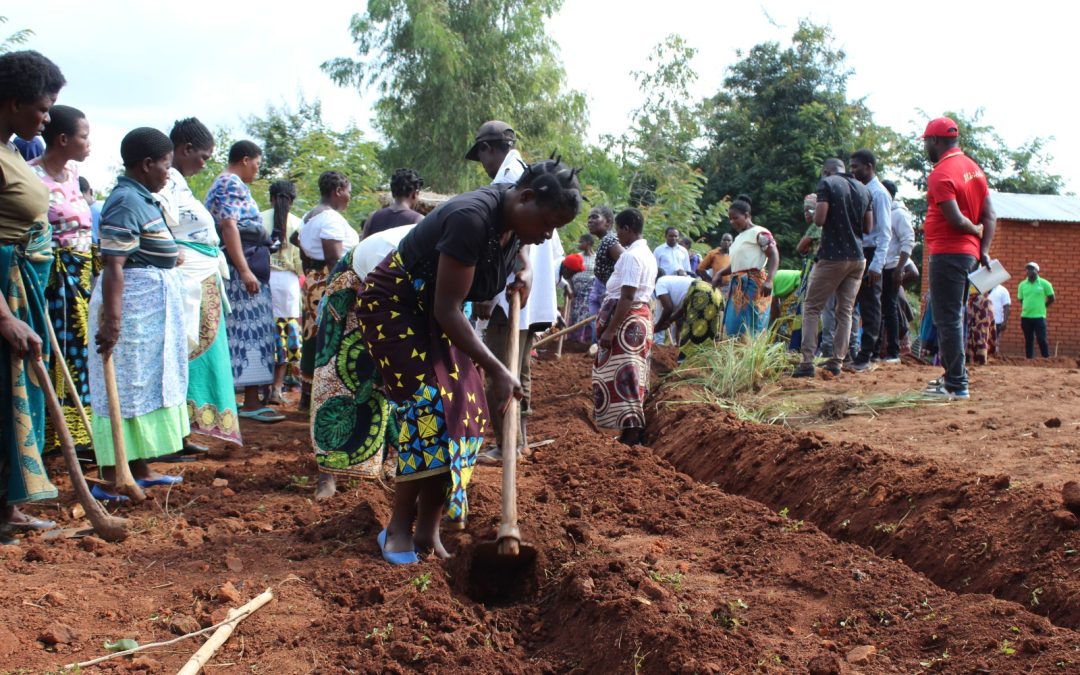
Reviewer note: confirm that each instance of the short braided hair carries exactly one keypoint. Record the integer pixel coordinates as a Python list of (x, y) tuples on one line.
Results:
[(605, 212), (191, 130), (26, 76), (330, 181), (143, 143), (555, 184), (404, 182)]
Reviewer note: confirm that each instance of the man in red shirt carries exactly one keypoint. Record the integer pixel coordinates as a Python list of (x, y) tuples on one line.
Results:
[(959, 228)]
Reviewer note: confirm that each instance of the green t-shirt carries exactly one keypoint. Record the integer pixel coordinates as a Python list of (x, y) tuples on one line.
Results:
[(1033, 297)]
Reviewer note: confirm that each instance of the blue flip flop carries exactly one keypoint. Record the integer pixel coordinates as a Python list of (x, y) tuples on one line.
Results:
[(102, 495), (266, 415), (403, 558), (162, 480)]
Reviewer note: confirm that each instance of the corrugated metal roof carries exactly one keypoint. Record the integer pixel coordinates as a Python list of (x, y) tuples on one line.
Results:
[(1049, 208)]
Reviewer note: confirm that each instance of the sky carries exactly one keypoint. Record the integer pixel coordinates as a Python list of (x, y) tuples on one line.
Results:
[(131, 63)]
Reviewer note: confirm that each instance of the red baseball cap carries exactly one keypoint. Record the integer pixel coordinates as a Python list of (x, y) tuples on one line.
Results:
[(943, 127)]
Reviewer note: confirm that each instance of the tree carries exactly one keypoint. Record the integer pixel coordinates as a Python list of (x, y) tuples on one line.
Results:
[(16, 39), (781, 113), (443, 67)]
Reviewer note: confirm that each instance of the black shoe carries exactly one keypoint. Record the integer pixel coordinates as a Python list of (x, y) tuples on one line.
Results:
[(860, 366), (832, 369), (804, 370), (194, 449)]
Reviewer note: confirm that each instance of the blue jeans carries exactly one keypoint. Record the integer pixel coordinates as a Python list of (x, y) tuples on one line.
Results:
[(948, 293)]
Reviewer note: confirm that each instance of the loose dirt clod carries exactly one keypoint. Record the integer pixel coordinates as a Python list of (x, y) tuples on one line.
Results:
[(1070, 496)]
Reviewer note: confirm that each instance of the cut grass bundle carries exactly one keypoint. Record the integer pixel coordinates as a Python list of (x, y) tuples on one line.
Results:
[(735, 367)]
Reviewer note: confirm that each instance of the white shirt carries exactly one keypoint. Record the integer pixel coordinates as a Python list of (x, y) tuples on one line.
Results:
[(635, 267), (674, 286), (903, 235), (542, 306), (374, 248), (190, 219), (510, 170), (999, 299), (671, 259), (330, 225)]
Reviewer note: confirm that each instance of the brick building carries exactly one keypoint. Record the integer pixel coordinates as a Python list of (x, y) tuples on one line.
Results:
[(1044, 229)]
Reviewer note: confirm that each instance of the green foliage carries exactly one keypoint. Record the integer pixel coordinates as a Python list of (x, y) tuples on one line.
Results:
[(781, 113), (443, 68), (16, 39)]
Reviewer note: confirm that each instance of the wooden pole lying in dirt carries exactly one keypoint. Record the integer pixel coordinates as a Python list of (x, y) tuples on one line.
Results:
[(110, 528), (210, 647), (558, 334)]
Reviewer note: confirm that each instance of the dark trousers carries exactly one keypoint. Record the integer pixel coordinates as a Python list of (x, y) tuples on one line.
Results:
[(1035, 329), (869, 301), (890, 314), (948, 293)]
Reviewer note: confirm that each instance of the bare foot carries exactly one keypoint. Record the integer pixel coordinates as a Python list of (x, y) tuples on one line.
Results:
[(326, 488), (435, 547)]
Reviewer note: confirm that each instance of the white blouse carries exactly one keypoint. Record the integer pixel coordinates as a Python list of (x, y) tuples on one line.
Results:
[(635, 267)]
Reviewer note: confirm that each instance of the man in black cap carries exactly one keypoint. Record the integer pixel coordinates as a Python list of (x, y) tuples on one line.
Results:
[(494, 149)]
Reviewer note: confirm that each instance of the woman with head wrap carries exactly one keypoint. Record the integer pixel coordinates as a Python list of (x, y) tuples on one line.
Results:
[(211, 398), (426, 351), (68, 291), (285, 271), (250, 323), (137, 315), (29, 84)]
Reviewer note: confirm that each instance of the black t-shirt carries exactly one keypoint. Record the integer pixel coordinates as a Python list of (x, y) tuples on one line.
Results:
[(468, 229), (604, 266), (849, 200), (389, 218)]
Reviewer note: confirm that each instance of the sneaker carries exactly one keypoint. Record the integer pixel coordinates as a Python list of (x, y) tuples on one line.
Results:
[(832, 369), (943, 393), (861, 366), (935, 384), (891, 359), (804, 370)]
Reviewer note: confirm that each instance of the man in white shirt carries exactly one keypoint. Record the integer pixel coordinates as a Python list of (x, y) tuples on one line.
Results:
[(1000, 303), (671, 290), (901, 243), (671, 257), (494, 149)]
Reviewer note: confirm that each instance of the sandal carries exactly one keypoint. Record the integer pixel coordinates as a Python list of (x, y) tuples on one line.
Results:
[(31, 523), (266, 415), (102, 495), (402, 558), (160, 480)]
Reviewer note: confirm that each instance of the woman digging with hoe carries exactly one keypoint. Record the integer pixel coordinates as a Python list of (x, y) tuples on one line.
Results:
[(427, 352)]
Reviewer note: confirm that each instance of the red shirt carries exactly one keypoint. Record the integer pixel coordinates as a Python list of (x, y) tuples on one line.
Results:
[(955, 177)]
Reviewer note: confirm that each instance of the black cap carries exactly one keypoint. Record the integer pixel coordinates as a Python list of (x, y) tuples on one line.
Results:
[(491, 131)]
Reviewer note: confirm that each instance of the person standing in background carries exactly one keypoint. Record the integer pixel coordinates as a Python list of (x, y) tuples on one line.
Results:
[(405, 187), (875, 245), (671, 257), (1035, 295), (285, 271), (1002, 304), (901, 244), (95, 207)]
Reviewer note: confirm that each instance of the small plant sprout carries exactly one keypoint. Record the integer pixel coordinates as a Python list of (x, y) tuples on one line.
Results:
[(1035, 596), (422, 582), (1006, 648)]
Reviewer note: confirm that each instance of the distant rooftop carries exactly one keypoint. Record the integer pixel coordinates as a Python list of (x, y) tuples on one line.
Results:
[(1047, 208)]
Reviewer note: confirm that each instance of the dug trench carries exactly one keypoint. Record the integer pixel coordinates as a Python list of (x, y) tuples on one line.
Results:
[(641, 568), (968, 532)]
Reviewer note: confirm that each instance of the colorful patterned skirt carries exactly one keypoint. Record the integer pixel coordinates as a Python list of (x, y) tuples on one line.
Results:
[(151, 363), (288, 341), (435, 385), (24, 271), (211, 394), (979, 326), (251, 332), (314, 287), (701, 318), (353, 427), (68, 297), (747, 311), (582, 283), (620, 375)]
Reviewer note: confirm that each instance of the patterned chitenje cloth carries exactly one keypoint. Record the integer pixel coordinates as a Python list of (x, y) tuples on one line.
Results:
[(314, 287), (288, 341), (436, 386), (68, 298), (747, 311), (251, 332), (24, 270), (701, 323), (211, 396), (620, 375), (582, 284), (353, 427), (979, 326)]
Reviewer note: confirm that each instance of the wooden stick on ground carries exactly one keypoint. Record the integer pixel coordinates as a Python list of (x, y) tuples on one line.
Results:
[(234, 619), (548, 338), (110, 528), (210, 647)]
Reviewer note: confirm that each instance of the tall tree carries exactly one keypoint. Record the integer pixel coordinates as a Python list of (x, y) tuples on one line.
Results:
[(782, 111), (444, 67)]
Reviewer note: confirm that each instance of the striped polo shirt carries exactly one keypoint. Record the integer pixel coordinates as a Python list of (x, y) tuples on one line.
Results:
[(133, 226)]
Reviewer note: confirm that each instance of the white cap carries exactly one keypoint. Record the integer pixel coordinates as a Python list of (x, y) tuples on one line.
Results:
[(1034, 264)]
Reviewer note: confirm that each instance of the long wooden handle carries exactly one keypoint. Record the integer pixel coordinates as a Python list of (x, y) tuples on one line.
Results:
[(558, 334), (68, 379), (214, 643), (566, 319), (109, 528), (509, 537), (125, 482)]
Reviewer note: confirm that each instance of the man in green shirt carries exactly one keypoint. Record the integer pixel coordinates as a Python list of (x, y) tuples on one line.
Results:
[(1035, 295)]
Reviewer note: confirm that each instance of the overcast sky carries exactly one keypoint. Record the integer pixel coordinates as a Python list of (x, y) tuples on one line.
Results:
[(133, 63)]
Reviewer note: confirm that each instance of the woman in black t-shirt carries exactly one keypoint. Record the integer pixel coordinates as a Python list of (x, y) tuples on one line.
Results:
[(427, 352)]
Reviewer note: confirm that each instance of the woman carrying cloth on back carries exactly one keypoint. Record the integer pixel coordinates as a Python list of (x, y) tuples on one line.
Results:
[(211, 397), (29, 84), (754, 259), (427, 353)]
